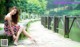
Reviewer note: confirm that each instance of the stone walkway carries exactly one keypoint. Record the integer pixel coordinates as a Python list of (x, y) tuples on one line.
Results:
[(46, 38)]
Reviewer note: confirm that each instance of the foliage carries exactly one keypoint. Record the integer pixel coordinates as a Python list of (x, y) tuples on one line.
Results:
[(30, 6), (2, 10), (74, 12), (2, 7), (24, 15), (72, 6), (36, 6)]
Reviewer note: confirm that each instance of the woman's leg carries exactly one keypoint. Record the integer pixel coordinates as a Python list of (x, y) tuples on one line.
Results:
[(18, 34), (22, 30)]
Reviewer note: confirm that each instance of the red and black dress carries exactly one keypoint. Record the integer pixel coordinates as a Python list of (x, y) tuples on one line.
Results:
[(8, 30)]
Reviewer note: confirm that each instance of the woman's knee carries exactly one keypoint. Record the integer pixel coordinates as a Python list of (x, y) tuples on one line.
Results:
[(22, 27)]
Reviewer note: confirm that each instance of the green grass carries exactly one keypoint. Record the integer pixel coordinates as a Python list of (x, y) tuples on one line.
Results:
[(1, 28), (61, 27), (74, 33)]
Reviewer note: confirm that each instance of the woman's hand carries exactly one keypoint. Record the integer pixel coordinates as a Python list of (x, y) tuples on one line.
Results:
[(14, 37)]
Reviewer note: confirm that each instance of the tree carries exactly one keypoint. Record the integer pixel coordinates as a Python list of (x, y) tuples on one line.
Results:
[(30, 6), (37, 6), (3, 10)]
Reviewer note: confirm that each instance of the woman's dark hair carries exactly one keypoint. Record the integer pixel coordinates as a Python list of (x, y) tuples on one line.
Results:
[(15, 16)]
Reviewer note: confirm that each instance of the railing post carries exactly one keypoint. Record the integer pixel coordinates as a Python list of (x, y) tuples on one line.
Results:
[(49, 22), (42, 19), (45, 22), (56, 24), (66, 26)]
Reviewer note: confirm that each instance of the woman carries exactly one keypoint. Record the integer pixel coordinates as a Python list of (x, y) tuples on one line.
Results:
[(12, 28)]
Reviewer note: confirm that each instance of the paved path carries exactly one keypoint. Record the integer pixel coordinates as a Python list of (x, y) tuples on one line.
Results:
[(46, 38)]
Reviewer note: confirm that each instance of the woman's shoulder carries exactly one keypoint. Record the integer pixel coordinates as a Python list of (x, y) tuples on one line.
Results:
[(7, 17)]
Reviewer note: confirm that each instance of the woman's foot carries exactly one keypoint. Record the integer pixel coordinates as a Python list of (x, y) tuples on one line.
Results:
[(33, 40), (15, 43)]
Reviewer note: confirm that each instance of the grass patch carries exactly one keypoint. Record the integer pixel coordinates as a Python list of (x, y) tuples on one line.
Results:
[(1, 28), (74, 33), (61, 29)]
